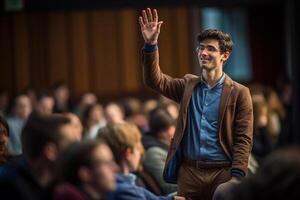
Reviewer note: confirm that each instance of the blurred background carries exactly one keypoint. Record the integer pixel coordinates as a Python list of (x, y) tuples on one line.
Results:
[(94, 46)]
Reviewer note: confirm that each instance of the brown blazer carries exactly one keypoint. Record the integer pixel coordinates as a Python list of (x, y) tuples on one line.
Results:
[(235, 123)]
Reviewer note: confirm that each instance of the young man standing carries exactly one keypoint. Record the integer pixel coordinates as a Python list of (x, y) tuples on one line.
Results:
[(213, 137)]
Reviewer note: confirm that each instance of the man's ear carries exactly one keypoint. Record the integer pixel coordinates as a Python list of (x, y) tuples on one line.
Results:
[(51, 151), (225, 56), (85, 174), (127, 153)]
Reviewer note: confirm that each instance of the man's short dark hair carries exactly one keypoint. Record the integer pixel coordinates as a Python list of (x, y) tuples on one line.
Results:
[(225, 41), (39, 130), (74, 157), (59, 84), (160, 120), (277, 177), (43, 94)]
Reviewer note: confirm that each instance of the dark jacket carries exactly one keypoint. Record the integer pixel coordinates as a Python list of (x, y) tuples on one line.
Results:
[(17, 182)]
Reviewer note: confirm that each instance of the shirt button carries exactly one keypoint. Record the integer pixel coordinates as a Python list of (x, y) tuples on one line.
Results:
[(206, 104)]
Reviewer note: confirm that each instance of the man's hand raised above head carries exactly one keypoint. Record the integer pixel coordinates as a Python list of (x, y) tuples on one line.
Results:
[(150, 26)]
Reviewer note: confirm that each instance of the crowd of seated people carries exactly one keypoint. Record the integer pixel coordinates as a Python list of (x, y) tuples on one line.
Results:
[(50, 149)]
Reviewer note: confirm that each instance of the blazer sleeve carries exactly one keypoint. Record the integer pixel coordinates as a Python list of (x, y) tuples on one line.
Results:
[(243, 131), (153, 77)]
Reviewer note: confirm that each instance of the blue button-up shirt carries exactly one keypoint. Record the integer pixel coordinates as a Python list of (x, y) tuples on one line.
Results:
[(201, 133)]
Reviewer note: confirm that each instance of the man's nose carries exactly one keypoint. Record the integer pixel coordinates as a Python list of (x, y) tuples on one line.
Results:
[(204, 52)]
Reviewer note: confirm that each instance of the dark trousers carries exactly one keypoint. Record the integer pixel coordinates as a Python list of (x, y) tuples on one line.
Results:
[(200, 183)]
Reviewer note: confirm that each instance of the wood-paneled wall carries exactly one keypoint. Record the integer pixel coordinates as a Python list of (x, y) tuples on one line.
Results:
[(92, 50)]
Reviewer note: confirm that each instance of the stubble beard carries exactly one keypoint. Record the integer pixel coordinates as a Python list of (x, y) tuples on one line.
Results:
[(206, 68)]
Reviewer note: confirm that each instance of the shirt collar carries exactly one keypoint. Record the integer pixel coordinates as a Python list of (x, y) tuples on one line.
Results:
[(130, 178), (219, 82)]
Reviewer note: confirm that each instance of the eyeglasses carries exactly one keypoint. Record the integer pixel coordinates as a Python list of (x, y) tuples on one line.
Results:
[(209, 48)]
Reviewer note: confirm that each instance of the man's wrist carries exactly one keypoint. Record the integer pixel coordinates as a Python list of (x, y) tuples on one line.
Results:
[(237, 173), (148, 48)]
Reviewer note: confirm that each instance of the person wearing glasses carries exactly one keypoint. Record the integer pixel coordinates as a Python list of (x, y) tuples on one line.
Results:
[(213, 137)]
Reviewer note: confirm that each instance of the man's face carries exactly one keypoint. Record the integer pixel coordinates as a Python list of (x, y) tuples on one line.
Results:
[(209, 55), (103, 169), (23, 107), (134, 156), (113, 113), (62, 94), (46, 105), (77, 126)]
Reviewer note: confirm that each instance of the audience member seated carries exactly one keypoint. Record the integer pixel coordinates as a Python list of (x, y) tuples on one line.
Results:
[(86, 99), (21, 111), (4, 103), (61, 94), (171, 106), (45, 103), (93, 119), (4, 134), (156, 143), (124, 139), (277, 113), (262, 142), (277, 178), (114, 113), (31, 176), (76, 124), (133, 113), (87, 172)]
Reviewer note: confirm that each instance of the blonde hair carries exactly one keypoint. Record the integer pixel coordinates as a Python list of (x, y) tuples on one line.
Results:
[(119, 137)]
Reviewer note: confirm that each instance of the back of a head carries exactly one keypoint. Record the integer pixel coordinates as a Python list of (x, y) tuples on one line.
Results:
[(22, 106), (75, 156), (225, 41), (119, 137), (277, 178), (40, 130), (160, 120), (131, 106)]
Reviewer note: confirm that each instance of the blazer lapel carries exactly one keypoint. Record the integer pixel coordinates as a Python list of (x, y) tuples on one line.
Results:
[(185, 104), (226, 92)]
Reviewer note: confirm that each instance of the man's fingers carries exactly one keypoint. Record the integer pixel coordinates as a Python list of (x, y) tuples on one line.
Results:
[(155, 17), (145, 17), (141, 22), (149, 14), (159, 25)]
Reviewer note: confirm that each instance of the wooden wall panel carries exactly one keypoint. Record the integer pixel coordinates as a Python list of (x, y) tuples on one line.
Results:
[(129, 51), (58, 48), (92, 50), (104, 34), (184, 62), (6, 51), (79, 58), (21, 51), (38, 50)]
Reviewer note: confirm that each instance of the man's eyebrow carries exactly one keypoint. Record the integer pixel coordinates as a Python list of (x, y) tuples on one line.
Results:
[(203, 45)]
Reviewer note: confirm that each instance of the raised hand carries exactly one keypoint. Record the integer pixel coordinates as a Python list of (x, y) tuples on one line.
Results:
[(179, 198), (150, 26)]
